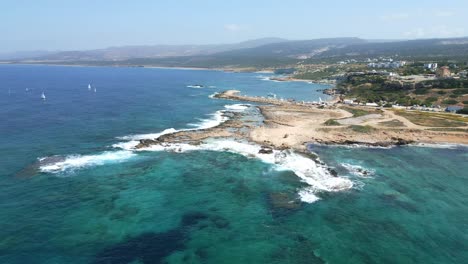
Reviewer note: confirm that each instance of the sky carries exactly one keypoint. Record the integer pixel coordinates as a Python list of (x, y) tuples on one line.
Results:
[(85, 24)]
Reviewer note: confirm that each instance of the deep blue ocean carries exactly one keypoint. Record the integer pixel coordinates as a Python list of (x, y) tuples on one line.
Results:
[(98, 203)]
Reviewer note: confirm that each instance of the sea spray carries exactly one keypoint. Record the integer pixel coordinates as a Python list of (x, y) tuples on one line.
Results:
[(317, 176), (72, 162)]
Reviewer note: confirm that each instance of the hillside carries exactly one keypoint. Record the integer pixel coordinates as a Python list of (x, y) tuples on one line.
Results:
[(267, 52), (154, 51)]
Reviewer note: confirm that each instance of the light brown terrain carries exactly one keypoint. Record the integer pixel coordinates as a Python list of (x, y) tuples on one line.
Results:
[(290, 124)]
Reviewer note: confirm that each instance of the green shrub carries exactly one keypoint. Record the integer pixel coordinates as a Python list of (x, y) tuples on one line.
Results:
[(362, 129), (450, 102), (430, 100), (331, 122)]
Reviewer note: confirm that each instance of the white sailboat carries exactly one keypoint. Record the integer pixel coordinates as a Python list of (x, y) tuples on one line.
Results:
[(95, 89), (43, 96), (89, 87), (320, 98)]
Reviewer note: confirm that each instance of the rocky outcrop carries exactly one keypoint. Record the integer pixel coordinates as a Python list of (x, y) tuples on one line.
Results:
[(265, 150)]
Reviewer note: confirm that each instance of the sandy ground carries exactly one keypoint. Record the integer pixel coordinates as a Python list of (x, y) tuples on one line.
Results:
[(289, 124), (296, 126)]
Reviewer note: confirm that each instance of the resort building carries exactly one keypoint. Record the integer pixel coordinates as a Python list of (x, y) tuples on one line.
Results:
[(430, 66), (443, 72), (453, 108)]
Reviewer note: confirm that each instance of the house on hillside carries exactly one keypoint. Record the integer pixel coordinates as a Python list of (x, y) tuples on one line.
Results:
[(453, 108), (430, 66), (443, 72)]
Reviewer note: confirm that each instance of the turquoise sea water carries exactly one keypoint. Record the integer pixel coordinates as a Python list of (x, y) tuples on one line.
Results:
[(110, 205)]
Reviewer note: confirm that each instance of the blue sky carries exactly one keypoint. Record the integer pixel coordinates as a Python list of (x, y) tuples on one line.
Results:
[(85, 24)]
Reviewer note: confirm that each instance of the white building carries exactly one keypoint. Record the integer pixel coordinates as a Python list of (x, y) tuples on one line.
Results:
[(431, 66), (387, 65)]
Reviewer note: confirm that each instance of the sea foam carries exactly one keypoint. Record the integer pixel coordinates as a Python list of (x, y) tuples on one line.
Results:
[(216, 119), (315, 175), (72, 162), (358, 170)]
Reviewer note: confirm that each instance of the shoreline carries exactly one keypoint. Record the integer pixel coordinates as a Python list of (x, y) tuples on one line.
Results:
[(294, 125), (234, 69)]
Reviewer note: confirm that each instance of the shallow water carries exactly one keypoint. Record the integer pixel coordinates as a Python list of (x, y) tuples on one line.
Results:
[(115, 206)]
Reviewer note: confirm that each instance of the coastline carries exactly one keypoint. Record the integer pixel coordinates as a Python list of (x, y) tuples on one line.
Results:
[(228, 69), (294, 125)]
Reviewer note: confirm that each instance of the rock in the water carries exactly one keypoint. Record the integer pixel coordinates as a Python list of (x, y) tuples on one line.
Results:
[(265, 150), (281, 200), (333, 172)]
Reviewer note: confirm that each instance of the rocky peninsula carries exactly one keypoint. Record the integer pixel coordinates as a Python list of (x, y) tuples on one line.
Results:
[(282, 124)]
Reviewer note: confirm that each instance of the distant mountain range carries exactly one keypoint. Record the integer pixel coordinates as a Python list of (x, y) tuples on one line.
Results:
[(142, 51), (266, 52)]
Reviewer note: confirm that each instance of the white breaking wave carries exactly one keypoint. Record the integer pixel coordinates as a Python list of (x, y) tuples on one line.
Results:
[(213, 95), (440, 145), (148, 136), (316, 176), (80, 161), (358, 170), (216, 119)]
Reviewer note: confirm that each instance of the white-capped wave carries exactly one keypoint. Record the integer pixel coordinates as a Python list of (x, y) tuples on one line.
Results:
[(195, 86), (440, 145), (315, 175), (80, 161), (358, 170), (213, 95), (148, 136), (263, 77), (216, 119), (237, 107)]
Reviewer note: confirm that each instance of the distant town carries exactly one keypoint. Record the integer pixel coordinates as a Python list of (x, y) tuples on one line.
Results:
[(390, 82)]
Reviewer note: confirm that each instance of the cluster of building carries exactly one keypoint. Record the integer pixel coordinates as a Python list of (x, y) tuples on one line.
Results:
[(347, 61), (387, 64), (430, 66)]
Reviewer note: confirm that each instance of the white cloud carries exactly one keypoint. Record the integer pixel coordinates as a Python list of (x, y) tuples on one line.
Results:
[(232, 27), (395, 16), (443, 13)]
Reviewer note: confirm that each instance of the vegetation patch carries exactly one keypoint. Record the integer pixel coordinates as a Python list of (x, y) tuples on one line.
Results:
[(317, 74), (331, 122), (433, 119), (362, 129), (357, 112), (450, 101), (449, 129), (392, 123)]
